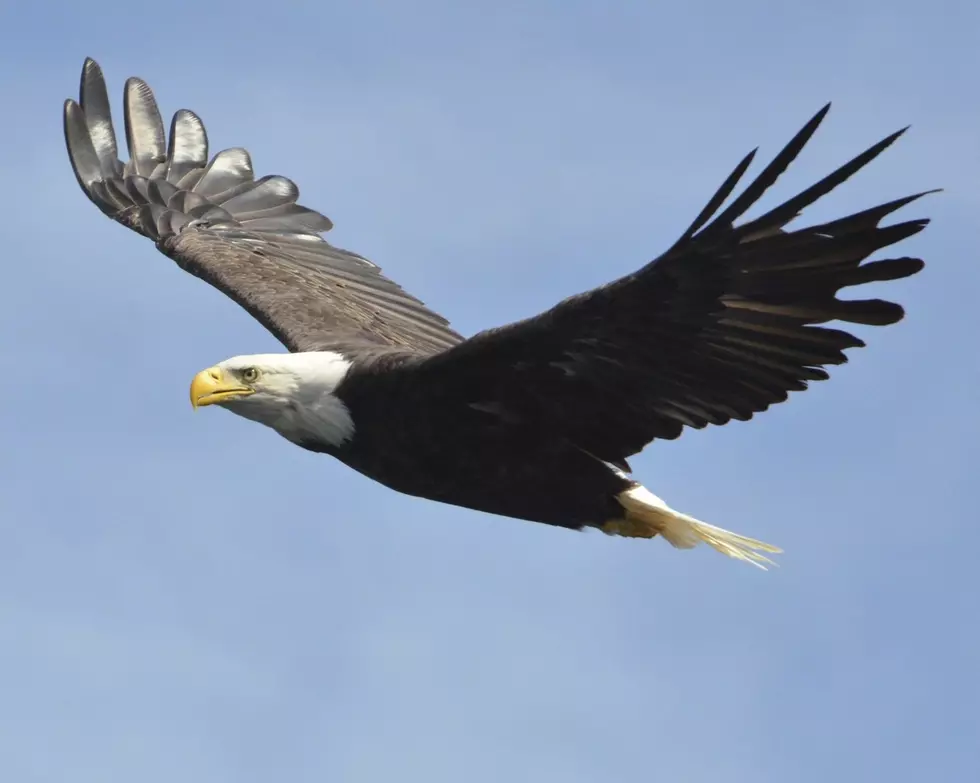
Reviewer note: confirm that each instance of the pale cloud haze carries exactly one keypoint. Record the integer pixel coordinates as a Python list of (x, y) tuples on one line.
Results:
[(188, 597)]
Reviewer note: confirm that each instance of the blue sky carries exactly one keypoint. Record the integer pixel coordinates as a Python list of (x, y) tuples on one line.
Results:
[(188, 597)]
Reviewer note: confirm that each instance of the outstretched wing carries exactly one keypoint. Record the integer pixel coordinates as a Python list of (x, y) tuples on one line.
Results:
[(247, 237), (719, 327)]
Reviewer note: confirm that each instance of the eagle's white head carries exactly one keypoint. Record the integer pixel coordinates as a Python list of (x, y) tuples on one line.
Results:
[(291, 392)]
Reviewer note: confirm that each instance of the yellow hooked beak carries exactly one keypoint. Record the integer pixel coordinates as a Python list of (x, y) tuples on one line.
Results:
[(210, 386)]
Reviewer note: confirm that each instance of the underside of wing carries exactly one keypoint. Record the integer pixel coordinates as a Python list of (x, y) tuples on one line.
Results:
[(722, 326), (248, 237)]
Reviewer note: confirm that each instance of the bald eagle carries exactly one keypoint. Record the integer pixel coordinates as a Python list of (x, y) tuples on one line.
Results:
[(534, 420)]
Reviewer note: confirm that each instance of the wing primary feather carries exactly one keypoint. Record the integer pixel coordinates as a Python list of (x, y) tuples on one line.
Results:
[(98, 117), (227, 169), (788, 210), (719, 197), (861, 221), (190, 179), (144, 128), (883, 270), (255, 197), (289, 217), (802, 255), (767, 178), (81, 152), (188, 147)]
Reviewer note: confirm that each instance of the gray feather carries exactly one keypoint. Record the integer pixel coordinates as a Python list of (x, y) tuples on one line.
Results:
[(190, 179), (265, 193), (98, 117), (81, 151), (226, 170), (188, 147), (290, 217), (144, 128), (249, 238)]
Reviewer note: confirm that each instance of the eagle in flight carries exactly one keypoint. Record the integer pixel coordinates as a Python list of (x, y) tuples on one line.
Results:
[(533, 420)]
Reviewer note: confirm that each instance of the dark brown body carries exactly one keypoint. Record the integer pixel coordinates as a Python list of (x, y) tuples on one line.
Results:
[(427, 442)]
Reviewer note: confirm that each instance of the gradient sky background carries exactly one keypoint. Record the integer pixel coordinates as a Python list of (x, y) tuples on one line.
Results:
[(188, 597)]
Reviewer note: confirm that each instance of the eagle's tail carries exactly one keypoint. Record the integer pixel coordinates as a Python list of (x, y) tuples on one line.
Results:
[(648, 516)]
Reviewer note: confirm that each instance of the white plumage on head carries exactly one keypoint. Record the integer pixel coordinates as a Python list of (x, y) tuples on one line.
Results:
[(293, 393)]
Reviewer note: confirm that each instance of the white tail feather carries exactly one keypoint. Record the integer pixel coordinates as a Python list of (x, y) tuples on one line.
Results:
[(647, 515)]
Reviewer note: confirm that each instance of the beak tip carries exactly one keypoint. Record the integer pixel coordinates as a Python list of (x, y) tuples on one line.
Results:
[(209, 387), (200, 385)]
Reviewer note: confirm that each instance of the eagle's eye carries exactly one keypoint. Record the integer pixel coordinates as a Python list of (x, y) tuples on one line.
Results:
[(250, 375)]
